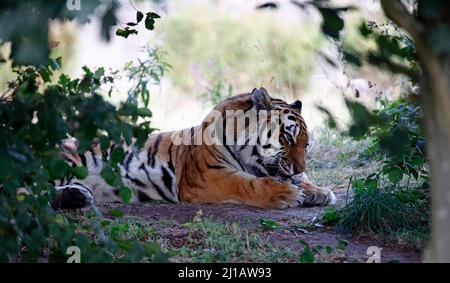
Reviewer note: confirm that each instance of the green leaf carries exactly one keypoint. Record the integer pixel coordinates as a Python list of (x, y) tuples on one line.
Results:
[(329, 249), (352, 58), (332, 23), (46, 74), (6, 168), (342, 244), (116, 213), (139, 16), (358, 184), (125, 32), (269, 224), (80, 172), (117, 155), (371, 185), (125, 194), (153, 15), (149, 22), (108, 175), (144, 112), (395, 175), (417, 160), (58, 168), (99, 73), (364, 30), (331, 216), (307, 255)]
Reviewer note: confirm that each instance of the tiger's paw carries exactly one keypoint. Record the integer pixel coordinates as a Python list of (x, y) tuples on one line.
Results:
[(320, 197), (73, 196), (295, 198), (331, 197)]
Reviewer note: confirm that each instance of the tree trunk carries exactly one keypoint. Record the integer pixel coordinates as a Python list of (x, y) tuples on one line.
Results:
[(438, 153), (435, 92)]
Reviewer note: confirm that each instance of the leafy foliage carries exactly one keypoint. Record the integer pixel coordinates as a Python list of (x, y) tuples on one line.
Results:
[(397, 196), (30, 38), (312, 254), (35, 115), (149, 23), (332, 21), (331, 216), (145, 72), (269, 224)]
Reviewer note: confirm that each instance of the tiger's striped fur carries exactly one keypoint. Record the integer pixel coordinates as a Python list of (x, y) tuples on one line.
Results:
[(254, 174)]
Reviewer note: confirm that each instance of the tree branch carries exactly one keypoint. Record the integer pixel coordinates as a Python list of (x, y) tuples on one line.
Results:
[(395, 11)]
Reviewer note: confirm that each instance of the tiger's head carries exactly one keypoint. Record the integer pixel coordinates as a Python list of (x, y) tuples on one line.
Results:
[(277, 145)]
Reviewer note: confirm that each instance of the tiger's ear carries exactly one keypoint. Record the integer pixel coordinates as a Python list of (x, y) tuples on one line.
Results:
[(297, 105), (261, 99)]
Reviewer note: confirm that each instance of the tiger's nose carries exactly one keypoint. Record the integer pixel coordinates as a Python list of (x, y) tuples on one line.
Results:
[(298, 169)]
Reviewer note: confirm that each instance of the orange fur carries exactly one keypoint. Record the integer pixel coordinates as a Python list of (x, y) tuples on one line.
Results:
[(205, 173)]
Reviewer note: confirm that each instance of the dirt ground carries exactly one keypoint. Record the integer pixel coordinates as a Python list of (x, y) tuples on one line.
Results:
[(295, 224)]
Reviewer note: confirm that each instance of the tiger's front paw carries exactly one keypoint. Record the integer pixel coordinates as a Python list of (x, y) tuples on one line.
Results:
[(296, 198), (320, 197)]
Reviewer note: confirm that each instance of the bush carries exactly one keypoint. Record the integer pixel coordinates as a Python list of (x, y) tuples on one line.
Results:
[(34, 116), (397, 196)]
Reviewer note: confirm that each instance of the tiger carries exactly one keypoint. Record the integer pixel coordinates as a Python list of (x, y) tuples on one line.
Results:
[(262, 170)]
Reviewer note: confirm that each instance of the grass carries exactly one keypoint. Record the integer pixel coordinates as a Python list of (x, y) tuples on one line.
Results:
[(230, 243), (201, 240), (392, 216), (374, 211), (332, 158)]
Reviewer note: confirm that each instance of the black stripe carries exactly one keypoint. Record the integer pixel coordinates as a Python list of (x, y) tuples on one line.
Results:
[(234, 156), (69, 180), (105, 156), (217, 167), (259, 173), (128, 160), (255, 151), (167, 178), (227, 146), (93, 157), (142, 197), (142, 167), (171, 168), (135, 181), (83, 160), (219, 156), (158, 188), (154, 150), (160, 192), (113, 146)]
